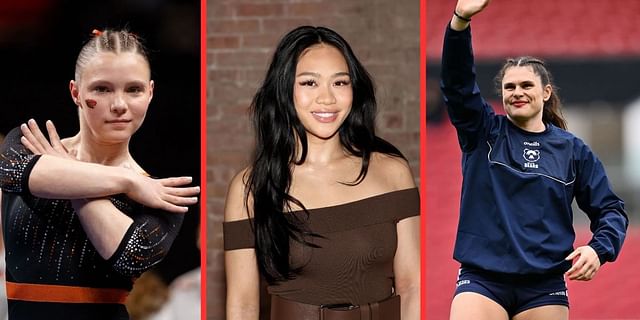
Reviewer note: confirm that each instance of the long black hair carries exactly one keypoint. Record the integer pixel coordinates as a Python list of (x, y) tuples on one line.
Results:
[(281, 143)]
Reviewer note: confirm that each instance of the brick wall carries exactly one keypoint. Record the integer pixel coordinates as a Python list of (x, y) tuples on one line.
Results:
[(241, 36)]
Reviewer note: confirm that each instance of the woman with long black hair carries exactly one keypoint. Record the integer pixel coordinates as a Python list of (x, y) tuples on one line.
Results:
[(327, 212)]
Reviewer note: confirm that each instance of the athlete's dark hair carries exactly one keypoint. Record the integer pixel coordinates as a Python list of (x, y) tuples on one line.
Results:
[(281, 143), (552, 108)]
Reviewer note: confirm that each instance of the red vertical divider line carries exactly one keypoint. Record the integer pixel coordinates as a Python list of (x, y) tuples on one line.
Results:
[(423, 157), (203, 159)]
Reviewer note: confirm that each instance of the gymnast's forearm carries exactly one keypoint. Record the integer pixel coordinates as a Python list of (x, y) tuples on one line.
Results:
[(103, 223), (58, 178)]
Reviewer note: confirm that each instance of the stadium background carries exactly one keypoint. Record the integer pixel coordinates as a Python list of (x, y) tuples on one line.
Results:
[(593, 50)]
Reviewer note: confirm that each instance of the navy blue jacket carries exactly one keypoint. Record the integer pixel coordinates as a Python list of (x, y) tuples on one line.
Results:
[(518, 186)]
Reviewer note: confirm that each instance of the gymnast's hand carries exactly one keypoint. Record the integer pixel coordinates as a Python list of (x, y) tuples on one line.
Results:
[(36, 142), (169, 194), (585, 266)]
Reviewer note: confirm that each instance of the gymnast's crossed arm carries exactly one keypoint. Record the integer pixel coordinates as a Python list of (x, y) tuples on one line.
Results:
[(54, 173)]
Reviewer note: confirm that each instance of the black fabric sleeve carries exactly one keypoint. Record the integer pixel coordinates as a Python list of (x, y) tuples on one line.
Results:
[(146, 242), (16, 163)]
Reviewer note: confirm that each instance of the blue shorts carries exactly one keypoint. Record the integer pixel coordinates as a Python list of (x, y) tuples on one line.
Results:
[(515, 293)]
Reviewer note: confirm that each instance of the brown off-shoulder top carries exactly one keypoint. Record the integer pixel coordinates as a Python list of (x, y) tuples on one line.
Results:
[(354, 263)]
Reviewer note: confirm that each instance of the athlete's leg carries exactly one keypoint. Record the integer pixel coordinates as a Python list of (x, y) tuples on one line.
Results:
[(474, 306), (548, 312)]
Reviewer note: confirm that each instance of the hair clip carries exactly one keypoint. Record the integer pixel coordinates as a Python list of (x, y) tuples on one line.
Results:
[(96, 32)]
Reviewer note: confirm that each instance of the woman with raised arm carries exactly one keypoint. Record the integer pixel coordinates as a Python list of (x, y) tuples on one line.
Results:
[(327, 213), (521, 173), (81, 218)]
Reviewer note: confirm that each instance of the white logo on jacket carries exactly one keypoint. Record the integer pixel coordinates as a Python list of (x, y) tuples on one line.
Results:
[(531, 156), (532, 143)]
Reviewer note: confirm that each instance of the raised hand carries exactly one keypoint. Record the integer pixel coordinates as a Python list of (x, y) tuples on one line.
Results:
[(469, 8), (34, 140), (585, 266)]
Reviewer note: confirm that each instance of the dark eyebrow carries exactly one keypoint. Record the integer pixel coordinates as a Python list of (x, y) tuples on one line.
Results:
[(314, 74), (317, 75), (341, 74), (521, 83)]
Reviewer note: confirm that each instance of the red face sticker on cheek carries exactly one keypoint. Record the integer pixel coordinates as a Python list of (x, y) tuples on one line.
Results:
[(90, 103)]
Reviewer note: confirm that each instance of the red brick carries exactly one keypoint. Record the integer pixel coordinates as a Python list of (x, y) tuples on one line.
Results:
[(254, 77), (238, 158), (402, 139), (231, 142), (358, 9), (307, 9), (240, 59), (217, 191), (215, 9), (225, 128), (222, 175), (212, 111), (260, 41), (239, 111), (229, 93), (391, 120), (233, 26), (259, 10), (223, 42), (210, 59), (281, 26), (224, 75)]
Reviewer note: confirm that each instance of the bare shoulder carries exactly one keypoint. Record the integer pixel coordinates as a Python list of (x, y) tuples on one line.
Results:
[(394, 170), (71, 143), (235, 207)]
